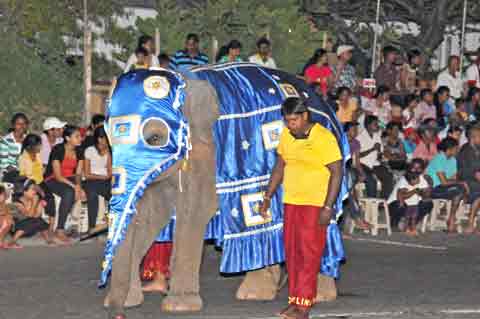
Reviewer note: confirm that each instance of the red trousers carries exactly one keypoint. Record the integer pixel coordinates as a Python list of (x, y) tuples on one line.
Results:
[(157, 260), (304, 244)]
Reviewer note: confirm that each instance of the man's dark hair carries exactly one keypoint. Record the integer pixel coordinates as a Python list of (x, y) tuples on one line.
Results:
[(98, 119), (459, 101), (234, 44), (425, 92), (144, 39), (141, 50), (342, 89), (391, 125), (447, 143), (193, 36), (294, 105), (410, 98), (30, 141), (389, 49), (472, 126), (443, 89), (369, 119), (382, 89), (163, 58), (18, 116), (263, 40), (410, 176), (454, 129), (347, 126), (419, 161), (412, 54)]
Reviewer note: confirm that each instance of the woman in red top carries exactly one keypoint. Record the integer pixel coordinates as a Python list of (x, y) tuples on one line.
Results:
[(319, 73), (63, 175)]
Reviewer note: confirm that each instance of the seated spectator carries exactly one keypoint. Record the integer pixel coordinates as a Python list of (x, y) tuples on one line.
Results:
[(28, 217), (63, 176), (396, 114), (387, 74), (370, 155), (347, 105), (393, 148), (233, 52), (472, 105), (455, 132), (451, 77), (6, 219), (460, 108), (409, 142), (98, 120), (319, 73), (442, 169), (145, 43), (410, 198), (355, 174), (344, 73), (11, 147), (443, 105), (98, 173), (427, 147), (468, 161), (380, 106), (52, 135), (408, 72), (425, 109), (408, 114), (31, 167), (263, 55), (164, 61)]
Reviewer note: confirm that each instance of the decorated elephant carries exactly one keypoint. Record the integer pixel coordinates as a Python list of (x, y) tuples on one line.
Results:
[(193, 144)]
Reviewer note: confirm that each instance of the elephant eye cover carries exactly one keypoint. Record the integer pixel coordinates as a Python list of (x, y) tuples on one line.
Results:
[(148, 134)]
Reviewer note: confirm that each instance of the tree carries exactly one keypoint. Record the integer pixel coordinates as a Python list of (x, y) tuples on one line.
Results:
[(352, 21)]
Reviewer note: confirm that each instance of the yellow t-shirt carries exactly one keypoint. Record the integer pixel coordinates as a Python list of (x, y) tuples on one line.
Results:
[(31, 169), (346, 114), (306, 175)]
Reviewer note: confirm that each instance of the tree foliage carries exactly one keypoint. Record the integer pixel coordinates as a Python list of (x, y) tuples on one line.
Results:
[(352, 21)]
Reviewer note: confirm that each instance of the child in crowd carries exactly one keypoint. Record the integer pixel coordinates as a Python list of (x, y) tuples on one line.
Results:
[(6, 219), (143, 58), (380, 106), (29, 211), (408, 114), (164, 60), (409, 142), (426, 108)]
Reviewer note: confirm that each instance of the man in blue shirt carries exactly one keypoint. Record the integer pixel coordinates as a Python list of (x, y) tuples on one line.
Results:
[(190, 56), (442, 169)]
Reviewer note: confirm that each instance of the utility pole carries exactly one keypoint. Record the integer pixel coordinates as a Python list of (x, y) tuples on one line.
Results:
[(87, 64)]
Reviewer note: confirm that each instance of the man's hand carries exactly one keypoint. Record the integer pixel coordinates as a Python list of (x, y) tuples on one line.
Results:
[(325, 216), (264, 208)]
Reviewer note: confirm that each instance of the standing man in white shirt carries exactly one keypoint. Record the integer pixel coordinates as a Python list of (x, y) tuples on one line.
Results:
[(472, 77), (452, 78), (263, 55), (370, 154)]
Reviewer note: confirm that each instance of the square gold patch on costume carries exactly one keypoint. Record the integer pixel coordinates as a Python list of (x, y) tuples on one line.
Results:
[(124, 129), (119, 180), (251, 209), (289, 90), (271, 134)]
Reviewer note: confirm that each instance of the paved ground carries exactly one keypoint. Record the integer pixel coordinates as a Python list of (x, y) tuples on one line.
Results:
[(379, 280)]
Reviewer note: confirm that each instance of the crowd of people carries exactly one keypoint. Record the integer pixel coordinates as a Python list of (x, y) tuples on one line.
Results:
[(416, 138), (66, 161)]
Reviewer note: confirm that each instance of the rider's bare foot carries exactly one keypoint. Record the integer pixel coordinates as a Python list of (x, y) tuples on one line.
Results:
[(158, 284)]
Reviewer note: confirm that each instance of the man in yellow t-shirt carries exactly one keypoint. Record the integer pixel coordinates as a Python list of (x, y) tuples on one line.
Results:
[(309, 164)]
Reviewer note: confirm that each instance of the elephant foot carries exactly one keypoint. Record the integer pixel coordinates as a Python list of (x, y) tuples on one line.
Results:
[(133, 300), (159, 284), (186, 303), (326, 289), (260, 284)]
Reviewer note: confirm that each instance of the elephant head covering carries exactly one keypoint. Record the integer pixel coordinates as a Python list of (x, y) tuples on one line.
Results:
[(148, 134)]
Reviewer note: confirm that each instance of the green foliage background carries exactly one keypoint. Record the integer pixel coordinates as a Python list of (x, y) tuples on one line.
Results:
[(36, 80)]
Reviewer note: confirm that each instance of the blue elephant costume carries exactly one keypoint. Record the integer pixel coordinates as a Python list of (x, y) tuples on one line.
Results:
[(246, 136)]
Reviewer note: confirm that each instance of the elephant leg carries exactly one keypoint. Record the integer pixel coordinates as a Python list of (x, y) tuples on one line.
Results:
[(326, 289), (192, 217), (121, 277), (261, 284)]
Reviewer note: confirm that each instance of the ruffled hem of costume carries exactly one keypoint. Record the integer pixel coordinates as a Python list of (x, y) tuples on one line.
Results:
[(334, 252), (110, 251), (248, 253)]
